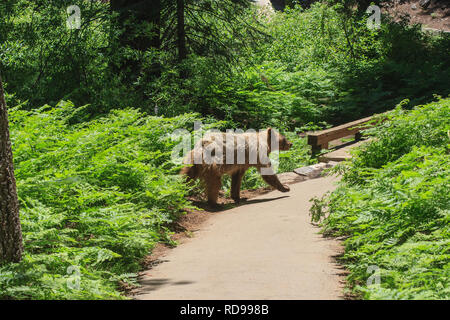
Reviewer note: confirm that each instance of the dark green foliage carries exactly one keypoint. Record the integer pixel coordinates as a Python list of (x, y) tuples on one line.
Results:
[(346, 71), (318, 65), (102, 64), (393, 204), (43, 61), (301, 66)]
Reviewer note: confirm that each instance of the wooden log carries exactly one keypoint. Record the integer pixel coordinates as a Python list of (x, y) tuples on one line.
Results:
[(319, 139)]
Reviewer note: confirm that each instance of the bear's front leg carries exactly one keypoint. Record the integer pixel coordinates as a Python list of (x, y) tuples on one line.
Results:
[(213, 184), (236, 180), (273, 180)]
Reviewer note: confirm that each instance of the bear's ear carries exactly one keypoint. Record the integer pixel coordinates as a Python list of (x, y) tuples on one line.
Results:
[(269, 137)]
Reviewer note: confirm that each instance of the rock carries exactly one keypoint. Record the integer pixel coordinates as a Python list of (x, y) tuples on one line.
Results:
[(304, 171), (312, 171), (414, 6)]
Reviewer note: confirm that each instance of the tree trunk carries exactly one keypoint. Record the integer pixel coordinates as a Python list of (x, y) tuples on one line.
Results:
[(278, 5), (364, 4), (11, 247), (181, 38), (181, 34), (133, 15), (139, 11)]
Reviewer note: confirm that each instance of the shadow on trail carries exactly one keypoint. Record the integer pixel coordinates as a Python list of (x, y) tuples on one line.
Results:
[(155, 284), (228, 206)]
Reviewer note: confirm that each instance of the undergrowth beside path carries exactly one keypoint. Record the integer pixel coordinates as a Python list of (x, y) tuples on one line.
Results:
[(393, 205)]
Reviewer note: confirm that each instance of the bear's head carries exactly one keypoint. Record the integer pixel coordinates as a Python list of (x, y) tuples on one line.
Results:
[(283, 143)]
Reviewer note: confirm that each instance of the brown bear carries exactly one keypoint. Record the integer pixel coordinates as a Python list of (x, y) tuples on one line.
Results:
[(233, 154)]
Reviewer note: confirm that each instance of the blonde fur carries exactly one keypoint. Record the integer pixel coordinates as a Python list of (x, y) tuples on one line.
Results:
[(233, 154)]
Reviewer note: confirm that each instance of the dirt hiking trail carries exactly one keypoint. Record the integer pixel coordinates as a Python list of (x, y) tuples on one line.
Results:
[(265, 249)]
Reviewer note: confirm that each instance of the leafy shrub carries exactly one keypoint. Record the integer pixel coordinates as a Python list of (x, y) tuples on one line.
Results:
[(96, 196), (424, 126), (393, 205), (345, 70)]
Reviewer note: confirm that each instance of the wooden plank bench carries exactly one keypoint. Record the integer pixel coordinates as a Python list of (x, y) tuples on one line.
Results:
[(319, 139)]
